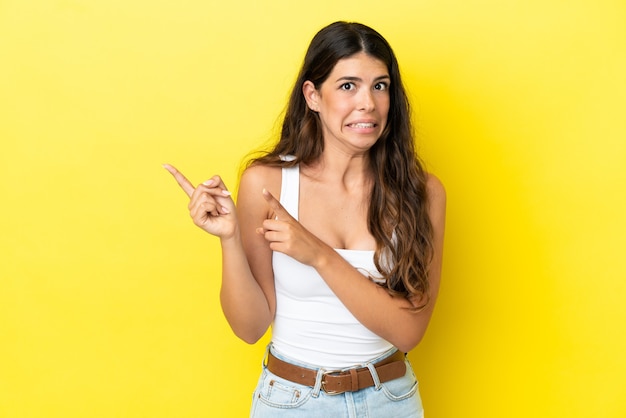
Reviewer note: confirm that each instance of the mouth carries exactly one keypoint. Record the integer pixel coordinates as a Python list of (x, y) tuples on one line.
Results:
[(362, 125)]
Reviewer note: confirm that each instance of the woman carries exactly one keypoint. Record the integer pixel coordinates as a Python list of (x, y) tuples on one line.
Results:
[(345, 264)]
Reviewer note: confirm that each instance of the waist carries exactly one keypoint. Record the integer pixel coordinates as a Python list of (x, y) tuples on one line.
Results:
[(340, 380), (340, 342)]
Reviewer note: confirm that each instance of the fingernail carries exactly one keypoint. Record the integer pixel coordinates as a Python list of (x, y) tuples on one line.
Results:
[(208, 182), (265, 192), (225, 210), (226, 193)]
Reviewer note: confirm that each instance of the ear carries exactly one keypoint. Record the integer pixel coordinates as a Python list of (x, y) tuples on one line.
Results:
[(311, 95)]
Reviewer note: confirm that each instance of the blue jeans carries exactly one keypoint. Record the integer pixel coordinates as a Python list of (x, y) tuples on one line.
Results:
[(276, 397)]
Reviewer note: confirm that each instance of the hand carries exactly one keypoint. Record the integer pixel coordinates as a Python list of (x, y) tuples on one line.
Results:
[(288, 236), (210, 204)]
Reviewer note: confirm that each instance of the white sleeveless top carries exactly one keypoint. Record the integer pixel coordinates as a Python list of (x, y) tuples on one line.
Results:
[(311, 324)]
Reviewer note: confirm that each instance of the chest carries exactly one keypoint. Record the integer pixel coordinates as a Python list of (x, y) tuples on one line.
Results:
[(336, 215)]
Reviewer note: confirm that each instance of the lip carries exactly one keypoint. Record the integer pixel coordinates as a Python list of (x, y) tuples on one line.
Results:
[(365, 124)]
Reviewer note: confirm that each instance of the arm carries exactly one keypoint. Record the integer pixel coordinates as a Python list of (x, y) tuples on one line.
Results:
[(247, 306), (247, 262), (372, 305)]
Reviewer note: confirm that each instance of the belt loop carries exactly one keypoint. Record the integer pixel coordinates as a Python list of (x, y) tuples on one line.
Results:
[(265, 356), (318, 383), (374, 374)]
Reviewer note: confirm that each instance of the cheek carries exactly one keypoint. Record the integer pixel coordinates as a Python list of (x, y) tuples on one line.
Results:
[(384, 112), (337, 111), (341, 106), (383, 108), (386, 102)]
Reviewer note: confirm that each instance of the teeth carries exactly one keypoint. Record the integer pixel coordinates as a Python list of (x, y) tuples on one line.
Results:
[(363, 125)]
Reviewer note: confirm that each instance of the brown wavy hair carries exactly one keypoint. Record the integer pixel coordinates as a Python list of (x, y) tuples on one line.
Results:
[(397, 214)]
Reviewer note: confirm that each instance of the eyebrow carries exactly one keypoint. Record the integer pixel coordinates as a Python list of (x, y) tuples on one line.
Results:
[(351, 78)]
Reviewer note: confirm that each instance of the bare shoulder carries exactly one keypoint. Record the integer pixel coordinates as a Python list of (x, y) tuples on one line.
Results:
[(256, 178), (436, 200), (262, 176), (435, 188)]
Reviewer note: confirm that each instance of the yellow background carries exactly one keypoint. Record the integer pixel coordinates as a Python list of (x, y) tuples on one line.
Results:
[(109, 295)]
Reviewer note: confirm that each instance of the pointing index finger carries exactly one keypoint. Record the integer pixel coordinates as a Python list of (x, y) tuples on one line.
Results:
[(279, 210), (180, 179)]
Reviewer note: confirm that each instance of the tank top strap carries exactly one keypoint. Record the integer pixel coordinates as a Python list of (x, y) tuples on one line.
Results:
[(290, 189)]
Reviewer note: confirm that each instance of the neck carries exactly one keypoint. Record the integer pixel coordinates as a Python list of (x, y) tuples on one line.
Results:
[(338, 167)]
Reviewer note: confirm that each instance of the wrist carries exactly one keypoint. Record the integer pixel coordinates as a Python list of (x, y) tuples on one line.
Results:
[(230, 240), (323, 258)]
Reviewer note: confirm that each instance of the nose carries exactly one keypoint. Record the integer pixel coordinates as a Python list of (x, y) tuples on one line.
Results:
[(366, 101)]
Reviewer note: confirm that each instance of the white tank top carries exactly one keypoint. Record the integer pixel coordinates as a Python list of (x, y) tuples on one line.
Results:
[(311, 324)]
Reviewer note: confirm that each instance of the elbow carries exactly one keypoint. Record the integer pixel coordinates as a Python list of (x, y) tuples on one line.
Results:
[(248, 329), (249, 338), (249, 335), (405, 348), (408, 343)]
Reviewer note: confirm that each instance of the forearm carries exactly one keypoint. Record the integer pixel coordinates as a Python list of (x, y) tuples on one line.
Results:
[(244, 303), (387, 316)]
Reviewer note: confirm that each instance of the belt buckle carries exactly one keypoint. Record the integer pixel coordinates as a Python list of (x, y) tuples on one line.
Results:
[(330, 392)]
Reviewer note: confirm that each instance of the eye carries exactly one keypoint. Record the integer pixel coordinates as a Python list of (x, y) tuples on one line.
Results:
[(347, 86), (381, 86)]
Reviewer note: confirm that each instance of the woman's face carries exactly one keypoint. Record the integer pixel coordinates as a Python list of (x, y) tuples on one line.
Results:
[(352, 103)]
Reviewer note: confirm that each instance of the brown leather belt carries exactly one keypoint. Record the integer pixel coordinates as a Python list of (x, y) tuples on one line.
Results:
[(335, 382)]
